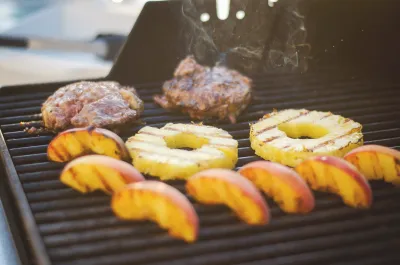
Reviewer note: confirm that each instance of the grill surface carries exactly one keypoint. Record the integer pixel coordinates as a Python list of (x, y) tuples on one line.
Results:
[(81, 229)]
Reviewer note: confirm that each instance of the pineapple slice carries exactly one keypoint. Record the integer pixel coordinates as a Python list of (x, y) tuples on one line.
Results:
[(155, 151), (276, 136)]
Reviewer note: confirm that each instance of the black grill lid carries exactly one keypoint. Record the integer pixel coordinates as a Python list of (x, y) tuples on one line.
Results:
[(312, 34), (64, 227)]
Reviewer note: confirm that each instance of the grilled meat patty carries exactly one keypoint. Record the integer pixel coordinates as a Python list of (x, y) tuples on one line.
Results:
[(98, 104), (206, 92)]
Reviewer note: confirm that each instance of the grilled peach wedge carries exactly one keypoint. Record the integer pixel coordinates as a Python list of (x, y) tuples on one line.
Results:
[(281, 183), (224, 186), (158, 202), (96, 172), (77, 142), (336, 175), (376, 162)]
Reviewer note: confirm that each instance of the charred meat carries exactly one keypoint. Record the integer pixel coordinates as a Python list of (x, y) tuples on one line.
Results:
[(205, 92), (98, 104)]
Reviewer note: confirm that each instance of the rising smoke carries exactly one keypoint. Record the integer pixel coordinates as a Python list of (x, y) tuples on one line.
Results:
[(268, 39)]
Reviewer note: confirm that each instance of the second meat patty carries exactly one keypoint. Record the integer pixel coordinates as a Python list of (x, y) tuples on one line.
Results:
[(205, 92)]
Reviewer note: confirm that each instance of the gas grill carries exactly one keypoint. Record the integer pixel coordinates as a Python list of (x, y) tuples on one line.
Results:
[(55, 225)]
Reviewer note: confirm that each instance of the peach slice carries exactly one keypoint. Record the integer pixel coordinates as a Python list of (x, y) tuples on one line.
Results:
[(96, 172), (376, 162), (158, 202), (281, 183), (336, 175), (224, 186), (82, 141)]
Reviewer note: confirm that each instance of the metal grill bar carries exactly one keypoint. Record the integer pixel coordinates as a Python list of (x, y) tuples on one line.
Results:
[(306, 231), (81, 229), (357, 252), (262, 253), (57, 226)]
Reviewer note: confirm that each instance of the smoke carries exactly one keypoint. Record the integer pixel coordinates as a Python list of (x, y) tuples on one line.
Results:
[(199, 40), (288, 49), (268, 39)]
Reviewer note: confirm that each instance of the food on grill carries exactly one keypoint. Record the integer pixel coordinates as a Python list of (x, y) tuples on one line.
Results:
[(97, 172), (336, 175), (205, 92), (158, 202), (77, 142), (104, 104), (276, 137), (155, 151), (376, 162), (223, 186), (281, 183)]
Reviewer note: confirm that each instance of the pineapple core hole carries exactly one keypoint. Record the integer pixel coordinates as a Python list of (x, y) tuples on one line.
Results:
[(185, 141), (303, 130)]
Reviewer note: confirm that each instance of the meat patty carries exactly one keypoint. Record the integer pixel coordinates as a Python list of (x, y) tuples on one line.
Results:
[(98, 104), (204, 92)]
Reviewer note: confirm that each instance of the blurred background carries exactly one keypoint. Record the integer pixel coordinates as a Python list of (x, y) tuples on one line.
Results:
[(80, 20)]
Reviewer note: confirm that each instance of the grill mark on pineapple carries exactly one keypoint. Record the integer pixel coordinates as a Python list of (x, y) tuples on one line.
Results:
[(157, 145), (199, 134), (356, 143), (346, 120), (171, 155), (272, 139), (152, 134), (162, 136), (223, 145), (326, 116), (331, 141), (147, 142), (285, 147), (269, 115), (276, 125)]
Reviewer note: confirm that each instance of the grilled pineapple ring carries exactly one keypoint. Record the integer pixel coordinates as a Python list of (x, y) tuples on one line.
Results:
[(154, 151), (275, 136)]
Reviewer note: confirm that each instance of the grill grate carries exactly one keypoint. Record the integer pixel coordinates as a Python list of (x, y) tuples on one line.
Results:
[(81, 229)]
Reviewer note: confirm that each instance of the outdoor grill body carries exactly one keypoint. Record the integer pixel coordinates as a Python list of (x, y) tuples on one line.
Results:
[(353, 72)]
